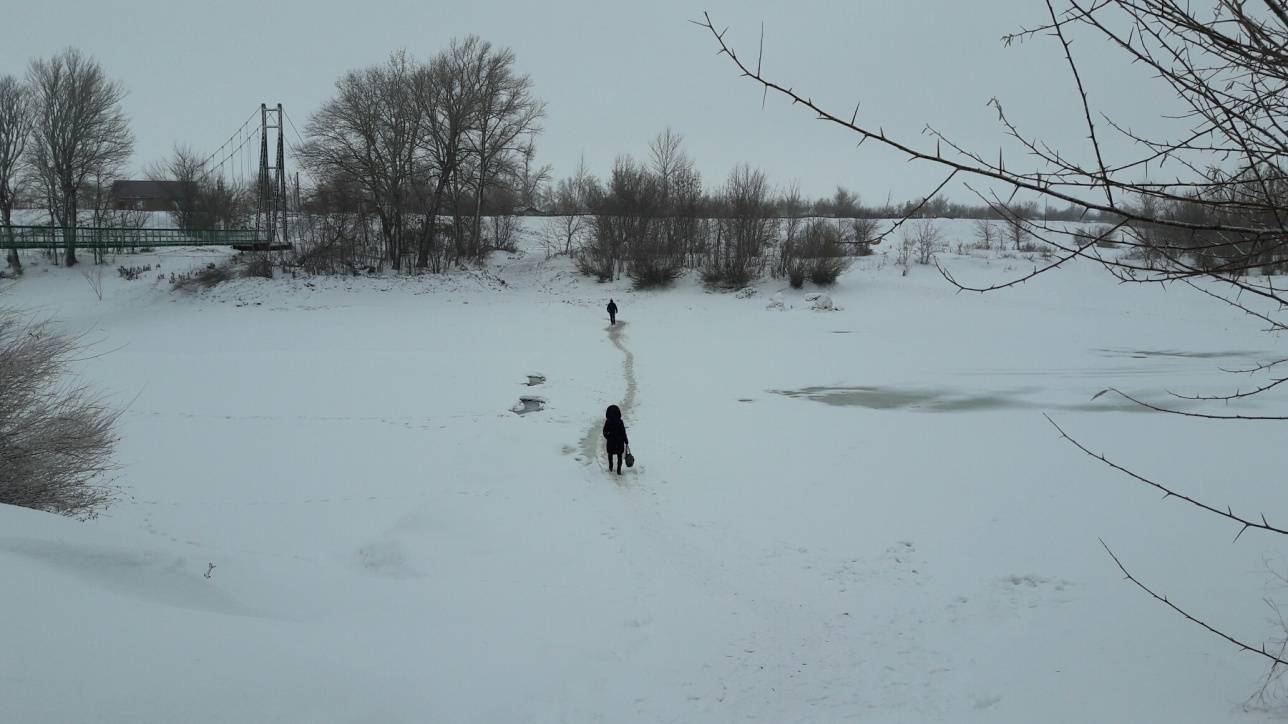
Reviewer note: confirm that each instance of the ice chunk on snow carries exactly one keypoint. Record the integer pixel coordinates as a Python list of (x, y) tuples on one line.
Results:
[(529, 403), (819, 301)]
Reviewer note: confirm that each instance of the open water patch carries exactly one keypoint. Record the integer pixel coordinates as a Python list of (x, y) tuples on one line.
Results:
[(938, 399), (1187, 354)]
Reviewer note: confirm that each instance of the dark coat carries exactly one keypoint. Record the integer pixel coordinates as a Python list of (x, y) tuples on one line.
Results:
[(615, 434), (612, 308)]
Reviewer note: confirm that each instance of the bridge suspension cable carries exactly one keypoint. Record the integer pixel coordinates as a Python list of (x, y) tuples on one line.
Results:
[(205, 164)]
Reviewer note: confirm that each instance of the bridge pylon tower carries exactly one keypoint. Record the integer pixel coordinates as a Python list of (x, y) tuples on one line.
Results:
[(271, 216)]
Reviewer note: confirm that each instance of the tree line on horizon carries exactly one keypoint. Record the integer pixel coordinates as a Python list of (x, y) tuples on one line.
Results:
[(423, 164)]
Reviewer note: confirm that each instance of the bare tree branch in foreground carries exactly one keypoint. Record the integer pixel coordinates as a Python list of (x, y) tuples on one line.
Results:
[(1260, 650), (1226, 62)]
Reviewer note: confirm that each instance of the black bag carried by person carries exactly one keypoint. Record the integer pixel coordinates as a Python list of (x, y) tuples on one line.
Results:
[(630, 459)]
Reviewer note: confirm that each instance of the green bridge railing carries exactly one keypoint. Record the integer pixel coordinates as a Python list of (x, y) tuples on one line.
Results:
[(95, 237)]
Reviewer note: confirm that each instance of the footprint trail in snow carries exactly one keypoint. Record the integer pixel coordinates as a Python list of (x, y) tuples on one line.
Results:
[(590, 444)]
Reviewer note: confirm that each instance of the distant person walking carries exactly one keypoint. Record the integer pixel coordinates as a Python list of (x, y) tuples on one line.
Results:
[(612, 312), (615, 434)]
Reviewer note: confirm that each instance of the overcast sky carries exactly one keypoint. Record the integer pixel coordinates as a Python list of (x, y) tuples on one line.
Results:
[(615, 74)]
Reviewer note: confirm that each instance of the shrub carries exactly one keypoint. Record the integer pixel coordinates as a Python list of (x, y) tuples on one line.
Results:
[(94, 276), (864, 231), (1104, 236), (259, 266), (729, 277), (745, 230), (825, 270), (986, 234), (592, 263), (908, 242), (56, 439), (819, 255), (505, 233), (827, 254), (654, 272), (927, 245), (921, 238)]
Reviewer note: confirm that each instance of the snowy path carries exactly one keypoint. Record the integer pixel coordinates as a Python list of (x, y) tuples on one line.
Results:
[(590, 444)]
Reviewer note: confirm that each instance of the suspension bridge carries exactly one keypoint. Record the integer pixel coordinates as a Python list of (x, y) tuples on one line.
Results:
[(233, 164)]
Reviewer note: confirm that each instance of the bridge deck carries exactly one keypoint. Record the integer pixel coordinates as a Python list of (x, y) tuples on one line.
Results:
[(93, 237)]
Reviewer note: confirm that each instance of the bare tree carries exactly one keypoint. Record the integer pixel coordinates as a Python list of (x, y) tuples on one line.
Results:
[(185, 168), (531, 178), (628, 229), (507, 114), (447, 92), (202, 200), (56, 440), (928, 241), (616, 211), (985, 233), (568, 204), (746, 229), (1017, 228), (792, 208), (1223, 218), (97, 201), (370, 133), (683, 231), (667, 157), (80, 132), (16, 120), (845, 203)]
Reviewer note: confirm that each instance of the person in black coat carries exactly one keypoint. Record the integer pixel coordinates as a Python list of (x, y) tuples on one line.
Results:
[(612, 312), (615, 434)]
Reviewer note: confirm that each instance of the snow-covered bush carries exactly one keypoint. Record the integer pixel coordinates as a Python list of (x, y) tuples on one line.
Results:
[(56, 439)]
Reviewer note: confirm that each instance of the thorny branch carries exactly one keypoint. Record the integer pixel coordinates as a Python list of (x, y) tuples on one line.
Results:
[(1228, 513), (1259, 650)]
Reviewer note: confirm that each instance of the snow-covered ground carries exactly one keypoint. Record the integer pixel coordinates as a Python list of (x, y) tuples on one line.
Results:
[(835, 516)]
